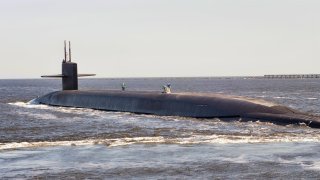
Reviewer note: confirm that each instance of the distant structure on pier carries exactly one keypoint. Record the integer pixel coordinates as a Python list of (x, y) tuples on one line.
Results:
[(292, 76)]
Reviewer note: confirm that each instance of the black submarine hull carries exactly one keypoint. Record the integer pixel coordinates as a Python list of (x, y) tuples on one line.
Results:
[(196, 105)]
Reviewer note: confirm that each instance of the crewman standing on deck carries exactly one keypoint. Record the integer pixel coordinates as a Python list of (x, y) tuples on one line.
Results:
[(123, 86), (166, 89)]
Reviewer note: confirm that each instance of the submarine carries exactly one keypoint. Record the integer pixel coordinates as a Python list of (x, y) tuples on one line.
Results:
[(194, 105)]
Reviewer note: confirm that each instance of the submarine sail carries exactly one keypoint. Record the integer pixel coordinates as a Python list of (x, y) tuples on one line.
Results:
[(69, 71)]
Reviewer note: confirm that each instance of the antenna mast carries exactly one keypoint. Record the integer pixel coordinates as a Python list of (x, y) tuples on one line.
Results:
[(69, 51), (65, 51)]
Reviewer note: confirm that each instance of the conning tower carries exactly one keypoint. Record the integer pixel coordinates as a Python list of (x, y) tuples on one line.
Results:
[(69, 71)]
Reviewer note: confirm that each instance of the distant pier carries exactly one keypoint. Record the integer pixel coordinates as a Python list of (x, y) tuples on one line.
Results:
[(292, 76)]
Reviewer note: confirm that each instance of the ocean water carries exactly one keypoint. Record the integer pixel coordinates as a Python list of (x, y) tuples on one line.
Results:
[(44, 142)]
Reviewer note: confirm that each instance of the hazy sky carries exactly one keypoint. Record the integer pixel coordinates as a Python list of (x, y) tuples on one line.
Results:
[(160, 38)]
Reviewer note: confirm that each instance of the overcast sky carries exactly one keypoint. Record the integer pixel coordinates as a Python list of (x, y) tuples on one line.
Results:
[(160, 38)]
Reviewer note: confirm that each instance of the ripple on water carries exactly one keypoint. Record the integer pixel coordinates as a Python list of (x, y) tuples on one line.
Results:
[(248, 161)]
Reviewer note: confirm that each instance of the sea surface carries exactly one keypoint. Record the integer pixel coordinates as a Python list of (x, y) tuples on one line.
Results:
[(43, 142)]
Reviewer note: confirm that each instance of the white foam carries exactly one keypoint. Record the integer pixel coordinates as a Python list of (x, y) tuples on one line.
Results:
[(108, 142), (196, 139), (30, 105), (312, 98), (261, 96), (70, 110), (280, 97)]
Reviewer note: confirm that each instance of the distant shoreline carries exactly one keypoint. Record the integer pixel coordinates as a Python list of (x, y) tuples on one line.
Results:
[(271, 76)]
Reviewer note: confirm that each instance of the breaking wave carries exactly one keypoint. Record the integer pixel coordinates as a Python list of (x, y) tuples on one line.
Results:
[(72, 110), (29, 105), (196, 139)]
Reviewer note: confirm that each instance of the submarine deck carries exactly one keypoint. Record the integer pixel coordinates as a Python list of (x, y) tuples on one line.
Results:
[(196, 105)]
